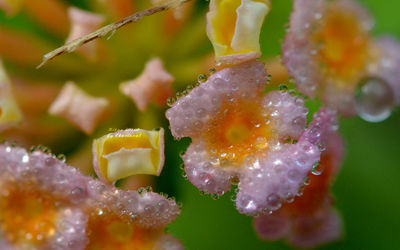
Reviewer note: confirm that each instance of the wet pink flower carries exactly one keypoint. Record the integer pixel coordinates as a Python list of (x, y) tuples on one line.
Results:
[(46, 203), (79, 108), (153, 85), (238, 131), (310, 220), (331, 54)]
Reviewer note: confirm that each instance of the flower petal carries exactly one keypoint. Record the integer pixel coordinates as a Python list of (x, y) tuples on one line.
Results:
[(191, 112), (128, 152), (202, 173), (234, 26), (78, 107)]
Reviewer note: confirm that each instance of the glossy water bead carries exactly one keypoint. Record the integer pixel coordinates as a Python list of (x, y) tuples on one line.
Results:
[(374, 100)]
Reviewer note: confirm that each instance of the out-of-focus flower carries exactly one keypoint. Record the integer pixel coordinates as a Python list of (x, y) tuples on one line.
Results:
[(311, 219), (153, 85), (11, 6), (83, 23), (233, 27), (10, 113), (330, 52), (238, 131), (46, 204), (128, 152), (78, 107)]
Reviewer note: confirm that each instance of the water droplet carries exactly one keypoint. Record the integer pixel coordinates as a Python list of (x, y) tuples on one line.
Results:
[(25, 158), (283, 88), (61, 157), (374, 100), (171, 101), (202, 78), (317, 169), (274, 202), (77, 195), (307, 181)]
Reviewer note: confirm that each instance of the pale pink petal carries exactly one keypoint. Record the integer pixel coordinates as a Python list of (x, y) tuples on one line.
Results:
[(202, 173), (168, 242), (287, 114), (79, 108), (190, 113), (153, 85), (276, 176), (320, 228), (272, 227), (388, 65)]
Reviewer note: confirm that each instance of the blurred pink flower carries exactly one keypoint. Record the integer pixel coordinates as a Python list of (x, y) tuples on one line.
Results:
[(331, 53)]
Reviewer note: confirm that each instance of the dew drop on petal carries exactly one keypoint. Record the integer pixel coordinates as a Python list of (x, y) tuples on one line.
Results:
[(77, 195), (374, 100)]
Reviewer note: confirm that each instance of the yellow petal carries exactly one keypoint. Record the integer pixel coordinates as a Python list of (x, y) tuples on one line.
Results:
[(234, 26), (129, 152), (10, 113)]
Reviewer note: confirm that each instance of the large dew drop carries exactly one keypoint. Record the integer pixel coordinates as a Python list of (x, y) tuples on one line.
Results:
[(374, 100)]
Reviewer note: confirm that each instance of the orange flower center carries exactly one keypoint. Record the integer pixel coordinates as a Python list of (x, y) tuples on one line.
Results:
[(239, 130), (344, 44), (107, 231), (26, 216)]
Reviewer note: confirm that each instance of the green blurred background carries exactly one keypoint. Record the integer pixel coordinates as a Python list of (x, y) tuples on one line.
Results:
[(367, 189)]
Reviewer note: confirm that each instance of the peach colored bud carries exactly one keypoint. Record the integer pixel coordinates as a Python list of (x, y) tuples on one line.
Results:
[(78, 107), (153, 85), (233, 27), (83, 23)]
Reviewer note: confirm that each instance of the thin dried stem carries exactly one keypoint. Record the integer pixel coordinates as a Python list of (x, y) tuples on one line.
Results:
[(111, 28)]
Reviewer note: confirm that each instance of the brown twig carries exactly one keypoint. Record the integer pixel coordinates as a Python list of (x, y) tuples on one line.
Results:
[(70, 47)]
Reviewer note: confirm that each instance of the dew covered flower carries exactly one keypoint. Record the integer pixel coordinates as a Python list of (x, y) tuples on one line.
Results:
[(10, 113), (128, 152), (234, 26), (310, 220), (238, 131), (44, 203), (330, 52)]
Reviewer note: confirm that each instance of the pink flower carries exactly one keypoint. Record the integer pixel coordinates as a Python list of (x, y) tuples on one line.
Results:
[(311, 220), (238, 131), (331, 54), (46, 203)]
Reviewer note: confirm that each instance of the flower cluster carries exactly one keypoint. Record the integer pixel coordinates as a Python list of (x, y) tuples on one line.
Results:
[(281, 159), (45, 203)]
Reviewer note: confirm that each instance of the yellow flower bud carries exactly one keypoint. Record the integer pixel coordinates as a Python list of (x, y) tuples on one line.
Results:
[(128, 152), (234, 26)]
